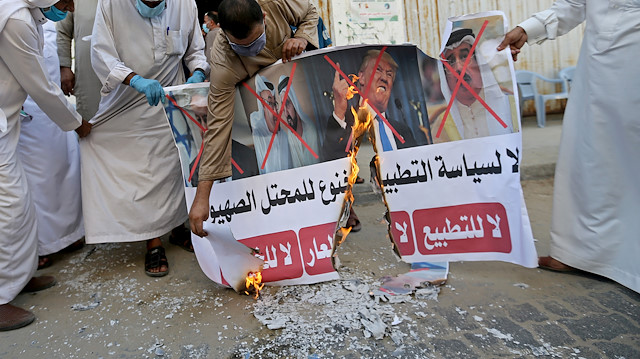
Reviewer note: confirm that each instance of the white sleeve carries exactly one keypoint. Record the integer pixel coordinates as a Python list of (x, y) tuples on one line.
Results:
[(194, 57), (19, 42), (104, 56), (563, 16)]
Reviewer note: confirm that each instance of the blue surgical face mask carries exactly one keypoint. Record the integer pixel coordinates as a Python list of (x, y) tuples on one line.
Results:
[(149, 12), (53, 13), (253, 49), (205, 28)]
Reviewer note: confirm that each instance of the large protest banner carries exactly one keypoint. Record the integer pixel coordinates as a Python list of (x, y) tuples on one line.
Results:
[(460, 198), (451, 185)]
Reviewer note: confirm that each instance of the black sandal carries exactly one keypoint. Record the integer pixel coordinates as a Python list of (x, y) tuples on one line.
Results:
[(181, 237), (44, 262), (155, 258)]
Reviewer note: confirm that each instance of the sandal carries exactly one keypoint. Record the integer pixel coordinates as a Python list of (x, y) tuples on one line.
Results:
[(155, 258), (44, 262), (359, 179), (181, 237), (75, 246), (356, 226), (353, 222)]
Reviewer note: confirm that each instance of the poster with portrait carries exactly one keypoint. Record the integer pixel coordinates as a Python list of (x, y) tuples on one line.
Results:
[(460, 198), (288, 194), (292, 140)]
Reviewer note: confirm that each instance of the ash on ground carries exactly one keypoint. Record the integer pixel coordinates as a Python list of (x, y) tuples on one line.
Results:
[(334, 319)]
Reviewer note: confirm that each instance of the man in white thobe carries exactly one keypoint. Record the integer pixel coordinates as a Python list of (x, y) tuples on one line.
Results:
[(82, 80), (264, 125), (22, 72), (301, 123), (132, 185), (51, 161), (468, 118), (596, 197)]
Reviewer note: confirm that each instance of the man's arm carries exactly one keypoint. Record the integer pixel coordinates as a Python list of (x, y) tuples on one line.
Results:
[(340, 89), (303, 15), (200, 208), (194, 56), (21, 53), (215, 162), (563, 16), (111, 71), (64, 30)]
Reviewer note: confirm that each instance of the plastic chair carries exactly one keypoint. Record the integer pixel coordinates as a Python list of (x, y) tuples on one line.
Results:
[(527, 85), (567, 75)]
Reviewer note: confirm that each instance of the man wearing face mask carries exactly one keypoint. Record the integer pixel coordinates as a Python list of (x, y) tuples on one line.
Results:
[(22, 72), (255, 34), (211, 28), (132, 188)]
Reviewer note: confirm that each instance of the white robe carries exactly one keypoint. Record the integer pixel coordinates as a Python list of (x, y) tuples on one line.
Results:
[(279, 155), (78, 25), (132, 185), (300, 155), (51, 160), (596, 198), (22, 71)]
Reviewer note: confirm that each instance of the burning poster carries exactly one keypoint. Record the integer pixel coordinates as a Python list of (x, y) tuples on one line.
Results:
[(460, 198), (297, 127)]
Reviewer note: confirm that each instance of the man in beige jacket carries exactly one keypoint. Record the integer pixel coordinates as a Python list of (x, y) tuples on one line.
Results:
[(255, 34)]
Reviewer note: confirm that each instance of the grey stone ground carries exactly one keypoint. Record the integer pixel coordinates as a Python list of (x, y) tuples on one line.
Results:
[(105, 307)]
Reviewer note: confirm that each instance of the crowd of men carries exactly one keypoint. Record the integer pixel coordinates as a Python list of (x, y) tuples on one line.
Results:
[(131, 189)]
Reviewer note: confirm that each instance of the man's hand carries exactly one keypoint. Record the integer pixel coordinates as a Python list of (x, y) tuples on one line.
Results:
[(152, 89), (67, 80), (84, 129), (516, 39), (340, 89), (198, 76), (200, 208), (293, 47)]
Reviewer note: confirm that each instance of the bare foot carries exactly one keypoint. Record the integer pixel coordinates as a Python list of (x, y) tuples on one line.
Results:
[(553, 264)]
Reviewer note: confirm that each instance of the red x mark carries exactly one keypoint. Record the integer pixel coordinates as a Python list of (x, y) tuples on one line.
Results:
[(279, 117), (365, 96), (204, 129), (460, 81)]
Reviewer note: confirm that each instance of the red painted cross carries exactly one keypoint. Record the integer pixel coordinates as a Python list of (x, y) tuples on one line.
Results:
[(365, 96), (460, 81), (204, 129), (278, 116)]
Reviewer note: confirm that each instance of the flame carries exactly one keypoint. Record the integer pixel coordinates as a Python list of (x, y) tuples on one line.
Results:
[(352, 89), (361, 124), (254, 284)]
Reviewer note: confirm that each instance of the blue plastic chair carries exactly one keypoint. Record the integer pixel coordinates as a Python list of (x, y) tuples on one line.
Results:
[(527, 86), (567, 75)]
